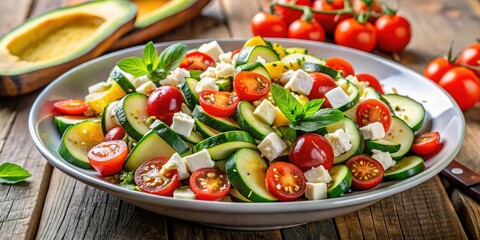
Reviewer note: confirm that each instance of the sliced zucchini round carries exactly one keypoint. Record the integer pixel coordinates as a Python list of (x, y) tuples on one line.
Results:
[(224, 84), (223, 145), (407, 109), (254, 67), (404, 168), (402, 134), (314, 67), (382, 145), (293, 50), (63, 122), (187, 87), (122, 80), (236, 196), (296, 60), (250, 123), (341, 181), (109, 120), (353, 94), (131, 113), (219, 123), (205, 130), (250, 54), (356, 138), (195, 137)]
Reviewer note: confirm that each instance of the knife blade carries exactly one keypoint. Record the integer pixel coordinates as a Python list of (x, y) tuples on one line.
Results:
[(465, 179)]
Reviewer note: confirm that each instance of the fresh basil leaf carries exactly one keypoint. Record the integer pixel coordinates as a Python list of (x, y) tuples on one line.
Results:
[(312, 106), (172, 56), (11, 173), (195, 74), (288, 133), (320, 119), (157, 75), (133, 65), (150, 56), (127, 181), (287, 103)]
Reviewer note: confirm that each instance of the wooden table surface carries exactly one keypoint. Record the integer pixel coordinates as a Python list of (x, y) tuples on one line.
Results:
[(51, 205)]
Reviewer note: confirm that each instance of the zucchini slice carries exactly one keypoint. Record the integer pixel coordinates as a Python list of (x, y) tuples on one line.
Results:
[(382, 145), (255, 67), (341, 181), (250, 123), (131, 113), (205, 130), (219, 123), (250, 54), (352, 130), (109, 120), (315, 67), (223, 145), (63, 122), (353, 94), (187, 87), (296, 60), (236, 196), (407, 109), (122, 80), (399, 133), (195, 137), (404, 168), (224, 84)]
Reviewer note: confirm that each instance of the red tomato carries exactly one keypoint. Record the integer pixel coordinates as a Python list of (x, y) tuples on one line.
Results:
[(268, 25), (393, 33), (116, 133), (285, 181), (437, 68), (372, 7), (250, 86), (371, 80), (197, 61), (290, 15), (329, 21), (164, 102), (341, 64), (322, 83), (426, 143), (373, 110), (366, 172), (209, 184), (470, 56), (108, 157), (218, 103), (71, 106), (435, 152), (311, 150), (351, 33), (150, 179), (462, 85), (302, 29)]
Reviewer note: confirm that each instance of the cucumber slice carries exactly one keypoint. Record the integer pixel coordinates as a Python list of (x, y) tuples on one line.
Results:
[(131, 113), (160, 141), (314, 67), (250, 54), (404, 168), (246, 170), (407, 109), (293, 50), (122, 80), (352, 130), (195, 137), (298, 59), (250, 123), (255, 67), (382, 145), (63, 122), (224, 84), (187, 87), (353, 94), (369, 93), (205, 130), (225, 144), (219, 123), (400, 133), (109, 120), (341, 181), (78, 139), (236, 196)]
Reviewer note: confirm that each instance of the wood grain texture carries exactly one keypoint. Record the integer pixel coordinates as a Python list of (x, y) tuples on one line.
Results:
[(469, 213), (13, 13)]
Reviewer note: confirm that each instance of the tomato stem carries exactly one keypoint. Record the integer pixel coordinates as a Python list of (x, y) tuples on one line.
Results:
[(347, 8), (307, 15)]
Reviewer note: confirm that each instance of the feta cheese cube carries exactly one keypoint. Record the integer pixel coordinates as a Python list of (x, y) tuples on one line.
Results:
[(317, 175), (176, 162), (137, 82), (272, 146), (316, 191), (146, 88), (337, 97), (212, 48), (286, 76), (175, 77), (182, 124), (206, 84), (383, 158), (261, 60), (266, 111), (224, 70), (300, 82), (340, 141), (225, 57), (198, 160), (360, 85), (373, 131), (209, 73), (184, 193)]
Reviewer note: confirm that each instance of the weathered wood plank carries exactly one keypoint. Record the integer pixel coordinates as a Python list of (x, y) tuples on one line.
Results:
[(13, 13), (315, 230), (469, 213)]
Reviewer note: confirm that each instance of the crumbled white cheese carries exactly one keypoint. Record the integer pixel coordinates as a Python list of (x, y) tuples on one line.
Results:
[(266, 111), (383, 158), (146, 88), (176, 162), (272, 146), (225, 57), (184, 193), (175, 77), (182, 124), (300, 82), (286, 76), (224, 70), (317, 175), (206, 84), (209, 73), (316, 191), (373, 131), (340, 141)]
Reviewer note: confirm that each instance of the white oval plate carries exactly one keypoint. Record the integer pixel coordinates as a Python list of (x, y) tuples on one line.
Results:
[(443, 115)]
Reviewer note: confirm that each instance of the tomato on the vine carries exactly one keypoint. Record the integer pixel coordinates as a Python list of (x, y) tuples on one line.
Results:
[(71, 106), (426, 143), (393, 33), (197, 61), (322, 83), (108, 157), (340, 64), (209, 184), (116, 133), (302, 29), (463, 85), (351, 33), (164, 102), (290, 15), (250, 86), (371, 80), (437, 68), (470, 56), (329, 21), (373, 110), (370, 6), (311, 150), (150, 178), (218, 103), (268, 25), (366, 172), (285, 181)]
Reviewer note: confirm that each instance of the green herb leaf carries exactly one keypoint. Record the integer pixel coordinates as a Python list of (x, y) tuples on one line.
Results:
[(320, 119), (133, 65), (172, 56), (150, 57), (288, 133), (287, 103), (312, 106), (11, 173), (195, 74), (127, 181)]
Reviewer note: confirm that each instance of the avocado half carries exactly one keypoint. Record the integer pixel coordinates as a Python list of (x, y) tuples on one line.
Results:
[(44, 47)]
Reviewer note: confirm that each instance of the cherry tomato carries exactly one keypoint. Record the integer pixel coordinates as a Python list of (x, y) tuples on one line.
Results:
[(435, 152), (367, 6), (342, 65), (373, 110), (322, 83), (71, 106), (329, 21), (164, 102), (250, 86), (116, 133), (150, 179), (470, 56), (197, 61), (351, 33), (285, 181), (302, 29), (462, 84), (311, 150), (393, 33), (218, 103), (268, 25), (290, 15), (108, 157), (437, 68), (371, 80), (209, 184), (366, 172), (426, 143)]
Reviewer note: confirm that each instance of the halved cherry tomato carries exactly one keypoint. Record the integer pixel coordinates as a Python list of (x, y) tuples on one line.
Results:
[(302, 29), (342, 65), (435, 152), (149, 178), (250, 86), (311, 150), (268, 25), (322, 83), (426, 143), (470, 55), (437, 68), (71, 106), (371, 80), (218, 103), (290, 15), (463, 85), (285, 181), (209, 184), (164, 102), (366, 172), (393, 33), (108, 157), (373, 110), (329, 21), (197, 61), (351, 33), (116, 133)]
